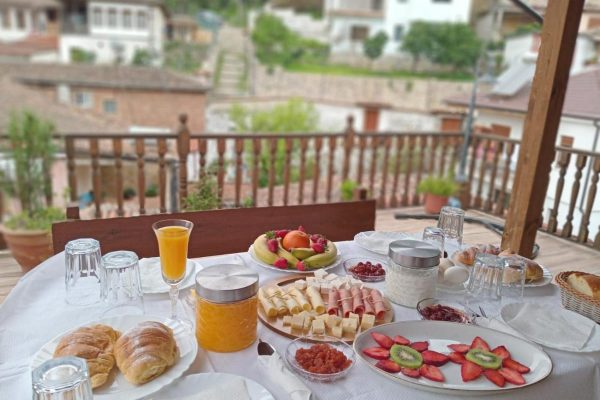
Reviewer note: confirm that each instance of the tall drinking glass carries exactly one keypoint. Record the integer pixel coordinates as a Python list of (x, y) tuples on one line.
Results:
[(436, 237), (485, 284), (61, 379), (513, 280), (173, 236), (83, 272), (122, 288), (451, 221)]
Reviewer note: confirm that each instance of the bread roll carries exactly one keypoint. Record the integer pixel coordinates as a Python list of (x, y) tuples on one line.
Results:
[(146, 351), (587, 284), (95, 344)]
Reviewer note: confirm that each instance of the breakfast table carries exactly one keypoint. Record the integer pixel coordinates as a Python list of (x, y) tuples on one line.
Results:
[(35, 312)]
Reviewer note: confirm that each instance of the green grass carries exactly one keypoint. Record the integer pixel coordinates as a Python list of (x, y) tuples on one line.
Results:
[(337, 69)]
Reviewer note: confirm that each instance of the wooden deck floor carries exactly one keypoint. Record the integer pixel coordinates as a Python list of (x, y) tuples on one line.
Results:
[(556, 254)]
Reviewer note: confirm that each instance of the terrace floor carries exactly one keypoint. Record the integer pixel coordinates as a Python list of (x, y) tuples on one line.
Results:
[(555, 253)]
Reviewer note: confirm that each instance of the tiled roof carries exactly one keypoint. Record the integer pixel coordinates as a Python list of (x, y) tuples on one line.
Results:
[(581, 100), (542, 4), (32, 3), (31, 45)]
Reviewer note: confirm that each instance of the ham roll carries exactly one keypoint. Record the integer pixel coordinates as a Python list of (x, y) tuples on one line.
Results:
[(357, 301), (369, 307), (333, 302), (346, 299), (378, 304)]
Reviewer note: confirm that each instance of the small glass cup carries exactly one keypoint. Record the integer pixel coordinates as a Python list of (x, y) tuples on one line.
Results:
[(122, 288), (83, 272), (484, 290), (436, 237), (451, 222), (61, 379), (513, 279)]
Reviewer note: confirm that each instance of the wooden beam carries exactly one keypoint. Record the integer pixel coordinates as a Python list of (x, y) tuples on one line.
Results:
[(559, 35)]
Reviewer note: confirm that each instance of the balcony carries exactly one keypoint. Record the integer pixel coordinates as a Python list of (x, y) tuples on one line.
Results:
[(357, 8), (75, 24)]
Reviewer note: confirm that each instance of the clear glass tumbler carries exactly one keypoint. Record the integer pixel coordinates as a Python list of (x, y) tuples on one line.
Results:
[(484, 290), (513, 279), (64, 378), (122, 288), (435, 236), (451, 222), (83, 272)]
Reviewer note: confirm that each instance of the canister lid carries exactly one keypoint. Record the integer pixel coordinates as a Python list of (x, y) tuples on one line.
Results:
[(225, 283), (414, 253)]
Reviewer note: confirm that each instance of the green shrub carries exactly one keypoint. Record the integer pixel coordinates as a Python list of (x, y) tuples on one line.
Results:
[(347, 189), (129, 193), (41, 219), (439, 186), (81, 56), (151, 190), (142, 57), (204, 196)]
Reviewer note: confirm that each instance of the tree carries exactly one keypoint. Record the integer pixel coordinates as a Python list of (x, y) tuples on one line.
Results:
[(417, 41), (142, 57), (373, 46)]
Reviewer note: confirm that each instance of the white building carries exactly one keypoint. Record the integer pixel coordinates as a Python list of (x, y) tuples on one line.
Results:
[(352, 21), (20, 19), (113, 31)]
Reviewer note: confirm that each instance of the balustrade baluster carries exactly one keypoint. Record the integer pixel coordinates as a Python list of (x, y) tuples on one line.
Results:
[(286, 173), (373, 167), (221, 147), (183, 150), (256, 148), (584, 231), (443, 151), (510, 147), (315, 191), (272, 166), (474, 146), (420, 143), (239, 151), (348, 146), (482, 165), (330, 166), (455, 144), (141, 176), (407, 188), (362, 143), (433, 154), (95, 154), (387, 142), (579, 165), (118, 154), (162, 174), (303, 148), (72, 175), (489, 202), (202, 148), (397, 166)]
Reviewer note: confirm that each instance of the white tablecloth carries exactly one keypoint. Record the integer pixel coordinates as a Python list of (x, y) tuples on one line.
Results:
[(35, 312)]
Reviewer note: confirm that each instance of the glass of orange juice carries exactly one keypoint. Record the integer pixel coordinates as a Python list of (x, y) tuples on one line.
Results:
[(173, 236)]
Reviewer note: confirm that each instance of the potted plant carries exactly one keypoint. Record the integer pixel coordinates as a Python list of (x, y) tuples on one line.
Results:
[(28, 233), (437, 190)]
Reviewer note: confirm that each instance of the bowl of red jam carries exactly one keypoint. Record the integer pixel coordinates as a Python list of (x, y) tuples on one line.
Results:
[(365, 269), (448, 311)]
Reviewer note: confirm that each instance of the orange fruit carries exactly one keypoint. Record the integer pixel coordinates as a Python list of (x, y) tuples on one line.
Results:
[(295, 240)]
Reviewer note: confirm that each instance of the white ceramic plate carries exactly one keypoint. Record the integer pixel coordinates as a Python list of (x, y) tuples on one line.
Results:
[(440, 335), (546, 277), (152, 281), (119, 388), (509, 312), (378, 242), (193, 384), (337, 262)]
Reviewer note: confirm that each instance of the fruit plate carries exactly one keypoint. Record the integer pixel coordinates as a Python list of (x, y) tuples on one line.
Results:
[(338, 260), (440, 335), (117, 387), (276, 323)]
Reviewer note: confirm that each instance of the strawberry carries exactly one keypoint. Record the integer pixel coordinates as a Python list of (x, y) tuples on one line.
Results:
[(315, 238), (270, 234), (434, 358), (459, 348), (412, 373), (419, 346), (495, 377), (384, 341), (301, 228), (318, 248), (501, 352), (470, 371), (322, 241), (456, 357), (516, 366), (388, 366), (281, 263), (273, 245), (401, 340), (479, 343), (281, 233), (512, 376), (300, 266), (432, 373), (378, 353)]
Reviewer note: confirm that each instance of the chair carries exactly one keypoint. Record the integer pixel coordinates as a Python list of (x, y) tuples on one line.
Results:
[(219, 231)]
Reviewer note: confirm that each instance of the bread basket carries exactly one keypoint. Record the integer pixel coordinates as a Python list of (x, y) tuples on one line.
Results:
[(575, 301)]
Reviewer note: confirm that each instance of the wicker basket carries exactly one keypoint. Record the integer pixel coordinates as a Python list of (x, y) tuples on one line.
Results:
[(575, 301)]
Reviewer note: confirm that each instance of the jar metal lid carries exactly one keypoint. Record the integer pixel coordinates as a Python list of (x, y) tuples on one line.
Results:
[(226, 283), (414, 254)]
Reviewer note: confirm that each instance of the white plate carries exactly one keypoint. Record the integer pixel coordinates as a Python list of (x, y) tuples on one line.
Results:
[(337, 262), (509, 311), (119, 388), (152, 281), (546, 276), (192, 384), (440, 335), (365, 240)]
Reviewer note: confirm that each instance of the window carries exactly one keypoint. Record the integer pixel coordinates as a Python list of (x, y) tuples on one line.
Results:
[(359, 33), (97, 16), (127, 19), (112, 18), (20, 19), (141, 20), (109, 106), (398, 33), (377, 5), (84, 100)]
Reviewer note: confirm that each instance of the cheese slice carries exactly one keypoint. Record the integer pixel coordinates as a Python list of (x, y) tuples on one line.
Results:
[(266, 303), (337, 331), (300, 284), (333, 321), (331, 277), (300, 299), (275, 296), (298, 321), (307, 323), (368, 321), (355, 316), (287, 320), (314, 296), (349, 325), (318, 327), (320, 274)]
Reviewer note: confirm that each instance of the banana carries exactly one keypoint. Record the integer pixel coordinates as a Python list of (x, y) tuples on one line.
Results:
[(281, 252), (261, 251), (323, 259), (302, 253)]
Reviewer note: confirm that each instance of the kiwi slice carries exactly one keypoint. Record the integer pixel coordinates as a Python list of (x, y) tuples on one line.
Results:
[(484, 359), (406, 356)]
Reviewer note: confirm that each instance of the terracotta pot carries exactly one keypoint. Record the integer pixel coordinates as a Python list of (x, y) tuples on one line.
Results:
[(434, 203), (29, 248)]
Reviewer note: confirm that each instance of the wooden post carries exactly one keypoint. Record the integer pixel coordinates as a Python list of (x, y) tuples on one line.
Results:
[(183, 150), (70, 150), (348, 146), (559, 35)]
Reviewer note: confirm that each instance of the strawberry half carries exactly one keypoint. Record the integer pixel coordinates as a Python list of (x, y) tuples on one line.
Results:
[(420, 346), (413, 373), (456, 358), (273, 245), (434, 358), (432, 373), (479, 343), (459, 348), (470, 371), (383, 340), (501, 352), (401, 340), (378, 353), (514, 365), (512, 376), (495, 377), (388, 366)]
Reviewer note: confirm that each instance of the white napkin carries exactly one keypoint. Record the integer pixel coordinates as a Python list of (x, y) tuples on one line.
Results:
[(277, 372), (151, 275), (499, 326), (234, 390), (549, 325), (378, 242)]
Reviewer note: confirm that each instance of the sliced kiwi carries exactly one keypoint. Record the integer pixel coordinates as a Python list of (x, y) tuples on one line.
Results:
[(406, 356), (484, 359)]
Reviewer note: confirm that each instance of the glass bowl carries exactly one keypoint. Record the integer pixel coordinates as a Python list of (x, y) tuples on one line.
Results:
[(463, 314), (351, 262), (305, 343)]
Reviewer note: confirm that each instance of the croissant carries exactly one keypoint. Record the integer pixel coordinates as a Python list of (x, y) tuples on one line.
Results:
[(146, 351), (94, 344)]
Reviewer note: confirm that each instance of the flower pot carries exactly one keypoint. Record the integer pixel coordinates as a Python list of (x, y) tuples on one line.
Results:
[(29, 248), (434, 203)]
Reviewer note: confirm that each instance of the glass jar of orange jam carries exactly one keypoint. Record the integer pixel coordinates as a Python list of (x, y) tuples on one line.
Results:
[(226, 307)]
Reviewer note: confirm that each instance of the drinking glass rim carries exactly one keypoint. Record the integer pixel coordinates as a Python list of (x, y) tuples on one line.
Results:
[(449, 210), (173, 222), (490, 260), (82, 246), (130, 256), (78, 368)]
